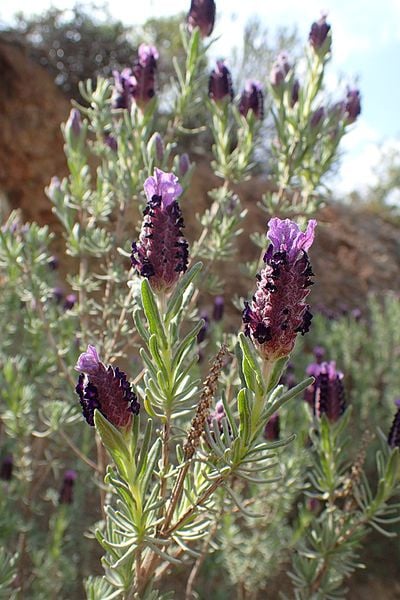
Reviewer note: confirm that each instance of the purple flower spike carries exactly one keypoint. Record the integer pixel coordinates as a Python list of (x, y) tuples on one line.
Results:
[(202, 15), (70, 301), (272, 429), (218, 311), (124, 85), (252, 99), (6, 468), (161, 253), (220, 83), (329, 397), (278, 311), (352, 106), (144, 72), (320, 38), (66, 495), (394, 433), (105, 388)]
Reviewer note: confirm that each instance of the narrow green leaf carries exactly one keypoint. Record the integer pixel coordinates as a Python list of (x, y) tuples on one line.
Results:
[(152, 313), (175, 302)]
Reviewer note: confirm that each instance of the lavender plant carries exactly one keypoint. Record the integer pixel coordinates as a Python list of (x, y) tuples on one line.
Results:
[(181, 457)]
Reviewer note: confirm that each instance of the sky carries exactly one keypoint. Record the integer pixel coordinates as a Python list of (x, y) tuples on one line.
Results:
[(366, 52)]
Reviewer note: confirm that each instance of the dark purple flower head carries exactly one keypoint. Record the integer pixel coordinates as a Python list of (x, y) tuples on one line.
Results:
[(317, 117), (202, 15), (105, 388), (280, 69), (220, 83), (218, 311), (353, 105), (394, 433), (111, 142), (295, 93), (277, 311), (6, 468), (161, 253), (53, 263), (66, 495), (70, 301), (320, 37), (272, 428), (124, 85), (201, 336), (252, 98), (144, 73), (328, 391)]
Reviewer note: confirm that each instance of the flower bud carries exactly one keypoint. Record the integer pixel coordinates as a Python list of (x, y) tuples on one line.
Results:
[(73, 129), (6, 468), (202, 15), (70, 301), (319, 353), (218, 311), (161, 253), (317, 117), (320, 36), (184, 164), (272, 429), (220, 83), (111, 142), (329, 397), (277, 311), (252, 99), (394, 433), (106, 389), (201, 336), (280, 69), (352, 106), (156, 145), (66, 495), (295, 93), (53, 263), (217, 415)]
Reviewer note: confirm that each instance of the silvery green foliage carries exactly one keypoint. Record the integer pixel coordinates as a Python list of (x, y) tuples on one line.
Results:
[(181, 483), (7, 574)]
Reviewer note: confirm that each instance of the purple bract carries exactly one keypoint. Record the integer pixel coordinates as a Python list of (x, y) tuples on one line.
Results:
[(252, 98)]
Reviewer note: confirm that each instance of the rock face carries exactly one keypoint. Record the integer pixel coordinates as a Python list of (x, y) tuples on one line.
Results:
[(355, 251), (31, 146)]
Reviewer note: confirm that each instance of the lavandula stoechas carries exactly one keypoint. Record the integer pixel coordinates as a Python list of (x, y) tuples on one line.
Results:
[(66, 495), (220, 83), (326, 395), (106, 389), (320, 36), (137, 83), (277, 311), (161, 254), (202, 15), (252, 98), (394, 433)]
